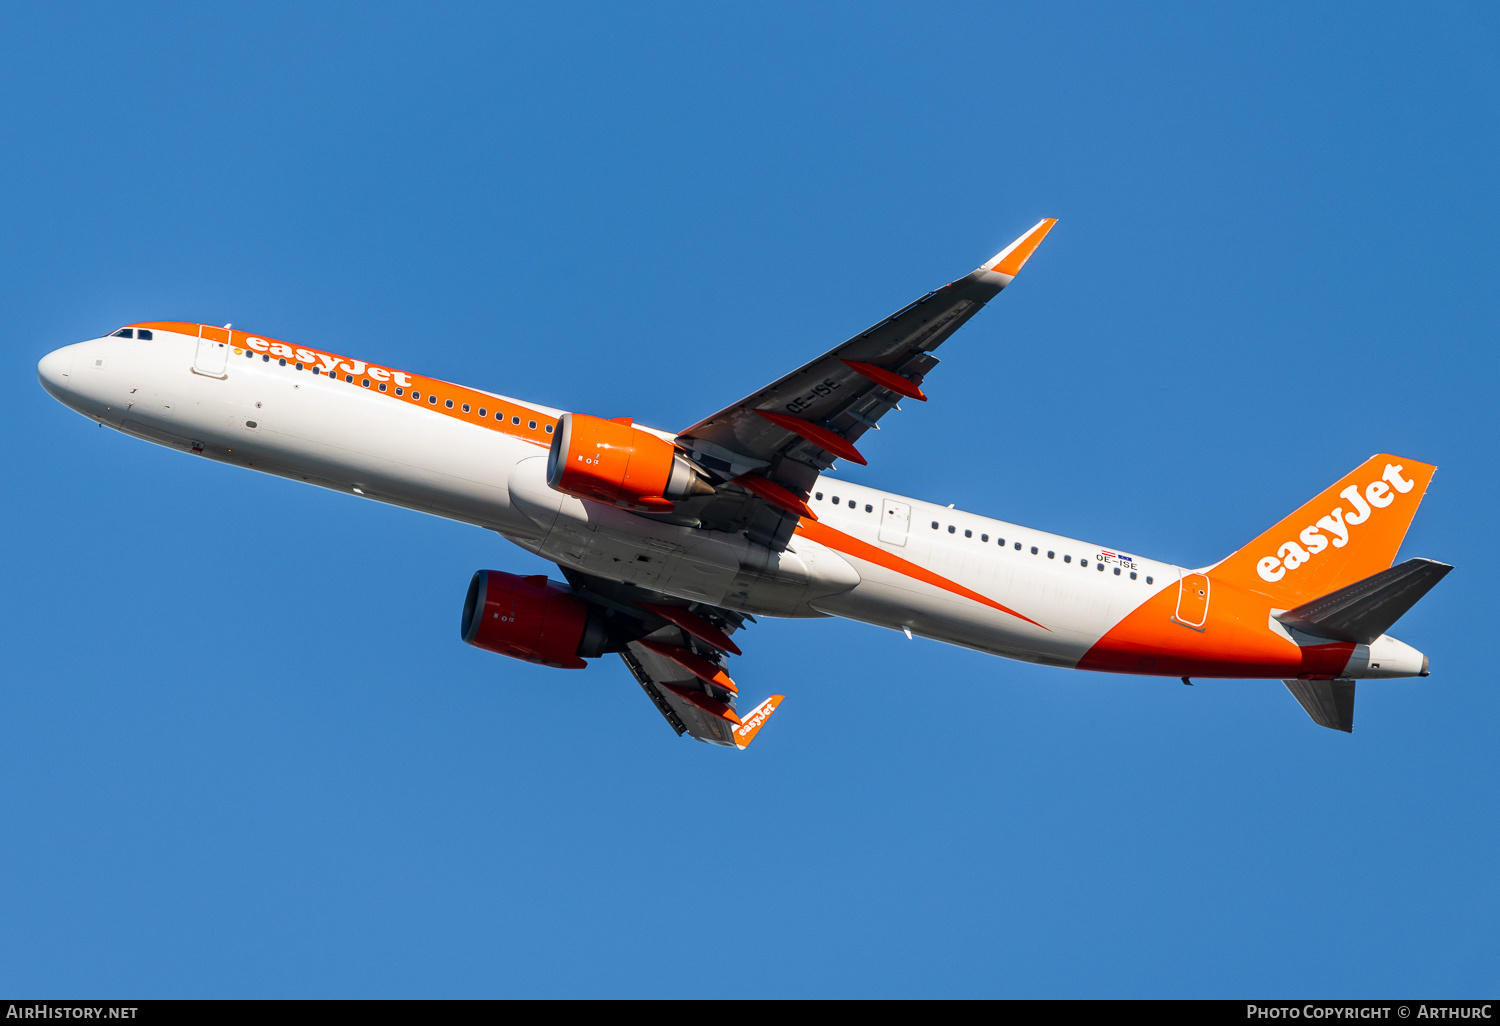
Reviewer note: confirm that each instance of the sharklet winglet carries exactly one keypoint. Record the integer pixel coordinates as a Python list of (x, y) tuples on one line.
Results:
[(1012, 258)]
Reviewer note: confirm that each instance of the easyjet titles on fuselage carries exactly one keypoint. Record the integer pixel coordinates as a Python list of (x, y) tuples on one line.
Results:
[(330, 364)]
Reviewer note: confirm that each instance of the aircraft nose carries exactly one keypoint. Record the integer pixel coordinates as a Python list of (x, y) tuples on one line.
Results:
[(53, 371)]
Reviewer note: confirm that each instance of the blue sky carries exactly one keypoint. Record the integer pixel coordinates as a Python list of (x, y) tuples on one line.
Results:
[(244, 752)]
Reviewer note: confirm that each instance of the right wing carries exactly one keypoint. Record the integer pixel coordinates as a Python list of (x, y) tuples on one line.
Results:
[(773, 443)]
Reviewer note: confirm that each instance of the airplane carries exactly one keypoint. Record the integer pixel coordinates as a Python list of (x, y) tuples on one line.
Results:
[(670, 542)]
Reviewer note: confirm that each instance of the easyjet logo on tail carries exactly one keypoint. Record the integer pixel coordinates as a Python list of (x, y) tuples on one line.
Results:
[(1376, 496)]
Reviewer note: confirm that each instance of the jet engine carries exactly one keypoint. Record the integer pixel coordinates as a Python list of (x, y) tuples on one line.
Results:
[(531, 618), (616, 462)]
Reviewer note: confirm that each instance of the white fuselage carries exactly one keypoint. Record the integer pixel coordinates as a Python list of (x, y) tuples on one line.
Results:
[(266, 414)]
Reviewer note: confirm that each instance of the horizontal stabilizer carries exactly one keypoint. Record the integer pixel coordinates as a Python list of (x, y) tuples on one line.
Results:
[(1330, 703), (1364, 610)]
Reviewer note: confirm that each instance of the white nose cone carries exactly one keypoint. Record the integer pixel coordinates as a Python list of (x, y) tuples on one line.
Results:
[(53, 371)]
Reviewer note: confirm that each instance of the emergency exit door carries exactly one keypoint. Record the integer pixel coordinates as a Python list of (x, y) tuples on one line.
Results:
[(895, 521), (212, 357)]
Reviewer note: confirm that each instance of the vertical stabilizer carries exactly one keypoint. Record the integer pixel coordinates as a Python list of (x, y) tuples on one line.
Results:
[(1351, 531)]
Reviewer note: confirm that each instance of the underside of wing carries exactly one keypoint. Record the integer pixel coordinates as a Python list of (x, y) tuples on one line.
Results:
[(679, 657), (770, 446)]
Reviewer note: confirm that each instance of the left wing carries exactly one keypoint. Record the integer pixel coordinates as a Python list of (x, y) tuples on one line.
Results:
[(773, 444), (690, 705), (679, 656)]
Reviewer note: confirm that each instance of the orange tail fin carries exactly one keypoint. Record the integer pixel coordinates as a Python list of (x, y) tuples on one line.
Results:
[(1351, 530)]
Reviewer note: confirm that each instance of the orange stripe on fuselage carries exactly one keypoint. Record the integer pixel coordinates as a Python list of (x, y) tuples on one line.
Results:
[(851, 546), (423, 386)]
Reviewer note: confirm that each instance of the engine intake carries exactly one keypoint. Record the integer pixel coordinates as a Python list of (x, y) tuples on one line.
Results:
[(616, 462), (531, 618)]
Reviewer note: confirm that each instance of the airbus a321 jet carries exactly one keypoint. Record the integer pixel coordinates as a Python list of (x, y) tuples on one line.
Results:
[(671, 542)]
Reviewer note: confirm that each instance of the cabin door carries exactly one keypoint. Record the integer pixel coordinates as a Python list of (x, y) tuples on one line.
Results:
[(1192, 602), (212, 357)]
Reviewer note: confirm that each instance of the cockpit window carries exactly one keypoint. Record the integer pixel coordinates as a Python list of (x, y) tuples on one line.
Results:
[(144, 333), (124, 333)]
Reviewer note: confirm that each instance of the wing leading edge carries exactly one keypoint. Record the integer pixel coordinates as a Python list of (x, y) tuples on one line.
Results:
[(778, 439)]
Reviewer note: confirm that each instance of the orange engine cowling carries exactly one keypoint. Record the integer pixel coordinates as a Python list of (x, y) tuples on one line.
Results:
[(530, 618), (616, 462)]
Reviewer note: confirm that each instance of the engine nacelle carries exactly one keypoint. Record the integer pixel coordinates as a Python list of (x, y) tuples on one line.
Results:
[(531, 618), (616, 462)]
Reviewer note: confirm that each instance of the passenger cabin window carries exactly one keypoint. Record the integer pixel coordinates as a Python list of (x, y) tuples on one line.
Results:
[(851, 503), (968, 533), (1018, 546), (449, 404), (1067, 559), (531, 425), (466, 407), (835, 500), (515, 420), (951, 529), (1033, 550), (1117, 571), (549, 429), (934, 525), (869, 508), (483, 412), (1132, 575), (1148, 580), (1050, 554), (984, 537), (818, 496)]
